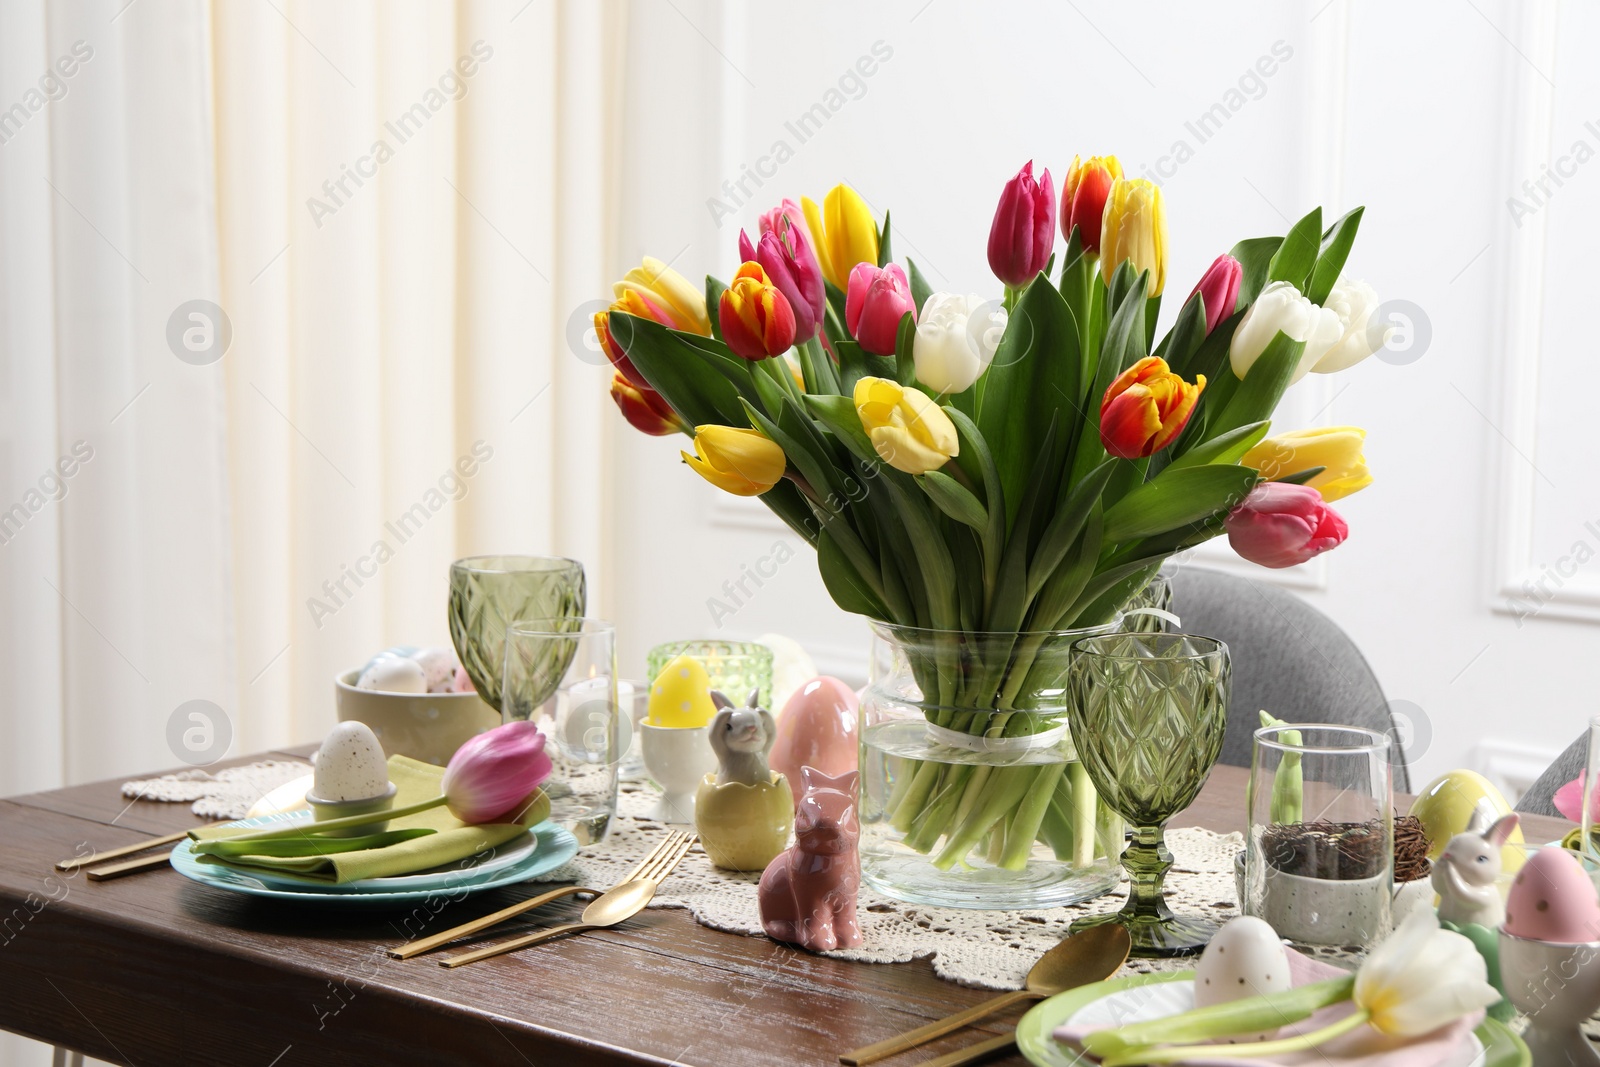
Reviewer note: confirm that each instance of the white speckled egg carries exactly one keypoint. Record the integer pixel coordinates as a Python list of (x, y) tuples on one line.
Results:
[(350, 764), (394, 674), (1245, 959), (438, 668)]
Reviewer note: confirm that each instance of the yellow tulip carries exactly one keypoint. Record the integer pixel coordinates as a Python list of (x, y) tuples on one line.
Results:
[(741, 462), (909, 431), (659, 284), (1135, 228), (1336, 448), (842, 232)]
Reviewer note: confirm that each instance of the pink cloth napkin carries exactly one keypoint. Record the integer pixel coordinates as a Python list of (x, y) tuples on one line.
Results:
[(1364, 1046)]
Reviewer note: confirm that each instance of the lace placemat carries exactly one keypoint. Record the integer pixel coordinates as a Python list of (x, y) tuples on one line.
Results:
[(988, 949), (227, 794)]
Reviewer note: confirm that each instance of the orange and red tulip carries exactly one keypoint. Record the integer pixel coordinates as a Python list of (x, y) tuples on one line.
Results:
[(1146, 408)]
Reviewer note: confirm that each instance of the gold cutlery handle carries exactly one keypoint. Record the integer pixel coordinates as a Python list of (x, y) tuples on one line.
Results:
[(973, 1053), (428, 944), (116, 853), (519, 942), (117, 870), (939, 1027)]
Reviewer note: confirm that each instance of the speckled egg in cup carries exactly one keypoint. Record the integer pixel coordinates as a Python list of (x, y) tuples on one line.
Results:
[(350, 777)]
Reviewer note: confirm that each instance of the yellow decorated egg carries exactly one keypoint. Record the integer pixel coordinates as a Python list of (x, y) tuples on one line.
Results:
[(1451, 802), (681, 696)]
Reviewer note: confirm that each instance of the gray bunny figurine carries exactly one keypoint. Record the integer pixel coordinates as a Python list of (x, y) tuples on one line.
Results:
[(1464, 875), (741, 738)]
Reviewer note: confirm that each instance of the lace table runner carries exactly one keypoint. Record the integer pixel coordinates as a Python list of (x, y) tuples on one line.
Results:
[(988, 949)]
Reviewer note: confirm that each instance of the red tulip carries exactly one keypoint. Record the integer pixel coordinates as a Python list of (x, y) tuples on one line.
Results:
[(1024, 228), (631, 302), (493, 773), (1219, 287), (644, 408), (1281, 525), (1083, 197), (788, 260), (1146, 408), (878, 298), (757, 319)]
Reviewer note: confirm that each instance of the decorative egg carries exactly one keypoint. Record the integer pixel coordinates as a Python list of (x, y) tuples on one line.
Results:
[(438, 668), (1454, 802), (393, 674), (1245, 959), (681, 696), (462, 682), (817, 729), (350, 764), (1553, 899)]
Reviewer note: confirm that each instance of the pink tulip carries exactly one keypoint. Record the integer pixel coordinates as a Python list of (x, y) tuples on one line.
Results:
[(1281, 525), (1024, 228), (1569, 800), (1219, 287), (792, 267), (493, 773), (877, 300)]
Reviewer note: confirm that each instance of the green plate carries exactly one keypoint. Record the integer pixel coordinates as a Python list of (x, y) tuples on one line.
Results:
[(1502, 1048)]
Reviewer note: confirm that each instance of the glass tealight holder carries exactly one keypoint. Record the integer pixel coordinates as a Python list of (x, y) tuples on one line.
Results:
[(735, 667), (1319, 859)]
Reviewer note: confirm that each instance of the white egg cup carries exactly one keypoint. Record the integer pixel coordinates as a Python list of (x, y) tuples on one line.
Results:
[(677, 758), (1557, 987)]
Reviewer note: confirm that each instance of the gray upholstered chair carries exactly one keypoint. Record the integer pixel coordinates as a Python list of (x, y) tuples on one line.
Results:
[(1288, 658), (1568, 765)]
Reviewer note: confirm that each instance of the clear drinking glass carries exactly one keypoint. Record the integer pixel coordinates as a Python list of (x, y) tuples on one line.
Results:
[(735, 667), (1148, 712), (488, 593), (562, 674), (1319, 860), (1591, 790)]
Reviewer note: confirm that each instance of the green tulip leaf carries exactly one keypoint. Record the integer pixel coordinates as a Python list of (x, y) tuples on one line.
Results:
[(1178, 497), (855, 363), (848, 589), (1336, 245), (1300, 477), (1124, 345), (885, 252), (1032, 381), (1067, 523), (905, 365), (1255, 256), (920, 289), (1295, 258), (1225, 448), (1183, 341), (714, 290), (1257, 396), (680, 370), (954, 499)]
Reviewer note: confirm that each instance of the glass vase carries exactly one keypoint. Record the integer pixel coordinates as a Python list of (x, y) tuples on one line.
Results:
[(972, 795)]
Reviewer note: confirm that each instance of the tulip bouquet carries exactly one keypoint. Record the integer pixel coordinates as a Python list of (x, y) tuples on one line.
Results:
[(1014, 466)]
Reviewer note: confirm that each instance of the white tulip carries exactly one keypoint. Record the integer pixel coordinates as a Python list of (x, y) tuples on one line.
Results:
[(956, 340), (1353, 302), (1282, 309), (1421, 978)]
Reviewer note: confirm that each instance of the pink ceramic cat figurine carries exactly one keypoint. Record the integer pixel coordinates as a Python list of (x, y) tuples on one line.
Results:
[(808, 894)]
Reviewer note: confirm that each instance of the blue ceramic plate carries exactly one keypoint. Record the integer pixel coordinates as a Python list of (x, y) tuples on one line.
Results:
[(549, 847), (1497, 1046)]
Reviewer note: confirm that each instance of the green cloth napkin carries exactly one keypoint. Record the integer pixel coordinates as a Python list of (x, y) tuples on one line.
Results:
[(452, 840)]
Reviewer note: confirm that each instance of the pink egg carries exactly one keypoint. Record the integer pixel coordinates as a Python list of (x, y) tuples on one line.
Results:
[(462, 682), (1553, 900), (817, 729)]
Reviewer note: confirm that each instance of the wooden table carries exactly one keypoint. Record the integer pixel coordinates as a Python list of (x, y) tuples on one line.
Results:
[(155, 970)]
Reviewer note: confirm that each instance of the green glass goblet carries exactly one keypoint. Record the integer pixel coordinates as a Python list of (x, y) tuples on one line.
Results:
[(489, 593), (1148, 712)]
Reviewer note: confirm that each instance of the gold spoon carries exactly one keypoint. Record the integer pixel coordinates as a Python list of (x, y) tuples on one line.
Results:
[(607, 909), (1092, 956)]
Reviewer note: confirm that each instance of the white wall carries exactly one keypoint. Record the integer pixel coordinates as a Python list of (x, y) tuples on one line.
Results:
[(1432, 115)]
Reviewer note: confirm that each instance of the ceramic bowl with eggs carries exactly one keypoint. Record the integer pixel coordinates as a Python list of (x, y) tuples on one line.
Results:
[(418, 701)]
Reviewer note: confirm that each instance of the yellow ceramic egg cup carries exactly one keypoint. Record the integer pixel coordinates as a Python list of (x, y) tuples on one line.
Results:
[(744, 827)]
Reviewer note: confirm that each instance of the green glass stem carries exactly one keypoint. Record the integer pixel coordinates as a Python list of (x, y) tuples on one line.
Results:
[(1147, 860)]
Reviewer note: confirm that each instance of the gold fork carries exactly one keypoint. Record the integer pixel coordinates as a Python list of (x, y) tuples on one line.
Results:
[(615, 905), (428, 944)]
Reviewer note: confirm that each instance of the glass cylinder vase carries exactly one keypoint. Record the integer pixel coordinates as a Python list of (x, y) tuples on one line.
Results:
[(972, 795)]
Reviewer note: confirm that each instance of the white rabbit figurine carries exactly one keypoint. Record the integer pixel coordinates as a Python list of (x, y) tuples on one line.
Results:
[(741, 738), (1464, 876)]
